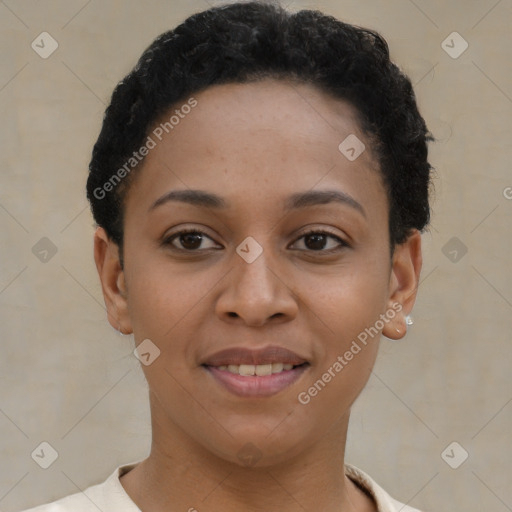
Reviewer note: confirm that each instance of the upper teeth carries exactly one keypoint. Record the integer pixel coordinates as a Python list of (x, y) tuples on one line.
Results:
[(256, 369)]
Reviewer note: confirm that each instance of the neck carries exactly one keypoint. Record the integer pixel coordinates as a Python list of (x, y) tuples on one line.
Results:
[(180, 474)]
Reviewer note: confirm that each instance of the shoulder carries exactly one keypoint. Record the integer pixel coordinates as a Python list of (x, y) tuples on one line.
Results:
[(385, 503), (108, 496), (86, 501), (77, 502)]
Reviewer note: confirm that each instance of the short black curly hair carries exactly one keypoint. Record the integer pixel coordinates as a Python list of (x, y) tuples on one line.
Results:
[(247, 41)]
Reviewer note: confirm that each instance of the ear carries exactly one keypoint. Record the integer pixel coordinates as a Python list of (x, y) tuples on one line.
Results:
[(403, 284), (106, 256)]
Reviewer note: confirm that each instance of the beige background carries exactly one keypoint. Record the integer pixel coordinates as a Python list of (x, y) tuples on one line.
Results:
[(68, 379)]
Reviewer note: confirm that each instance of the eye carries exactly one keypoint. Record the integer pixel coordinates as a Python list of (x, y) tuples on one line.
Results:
[(189, 239), (316, 240)]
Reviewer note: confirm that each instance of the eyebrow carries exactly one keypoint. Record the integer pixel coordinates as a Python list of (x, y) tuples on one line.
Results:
[(296, 201)]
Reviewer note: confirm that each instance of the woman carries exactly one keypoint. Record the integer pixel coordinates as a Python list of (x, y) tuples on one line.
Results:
[(260, 184)]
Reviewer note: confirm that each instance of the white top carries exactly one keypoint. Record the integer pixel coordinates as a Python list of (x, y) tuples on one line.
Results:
[(110, 495)]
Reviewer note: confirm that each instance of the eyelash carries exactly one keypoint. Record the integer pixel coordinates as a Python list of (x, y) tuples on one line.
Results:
[(342, 243)]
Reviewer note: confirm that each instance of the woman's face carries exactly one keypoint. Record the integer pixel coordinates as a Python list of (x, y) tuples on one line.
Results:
[(252, 292)]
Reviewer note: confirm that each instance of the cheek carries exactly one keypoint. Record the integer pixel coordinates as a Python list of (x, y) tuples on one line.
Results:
[(152, 307), (347, 300), (345, 319), (160, 294), (345, 354)]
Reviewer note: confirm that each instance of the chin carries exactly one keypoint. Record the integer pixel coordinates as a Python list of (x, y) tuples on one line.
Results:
[(260, 448)]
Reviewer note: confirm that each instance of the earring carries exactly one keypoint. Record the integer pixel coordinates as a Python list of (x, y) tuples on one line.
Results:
[(408, 321)]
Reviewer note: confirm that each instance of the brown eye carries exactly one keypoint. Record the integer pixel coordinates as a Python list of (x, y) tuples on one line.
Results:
[(188, 239), (318, 241)]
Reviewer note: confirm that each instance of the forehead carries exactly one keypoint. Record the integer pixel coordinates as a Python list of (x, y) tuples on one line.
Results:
[(296, 113), (259, 138)]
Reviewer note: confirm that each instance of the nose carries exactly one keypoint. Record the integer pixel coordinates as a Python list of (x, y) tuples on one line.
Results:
[(256, 293)]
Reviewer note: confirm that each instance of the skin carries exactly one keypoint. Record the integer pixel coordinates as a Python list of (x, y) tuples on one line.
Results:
[(255, 144)]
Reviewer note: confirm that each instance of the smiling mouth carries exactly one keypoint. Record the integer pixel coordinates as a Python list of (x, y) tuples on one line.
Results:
[(255, 372), (256, 381)]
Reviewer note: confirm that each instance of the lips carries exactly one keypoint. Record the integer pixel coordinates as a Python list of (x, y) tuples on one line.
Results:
[(264, 356), (255, 373)]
